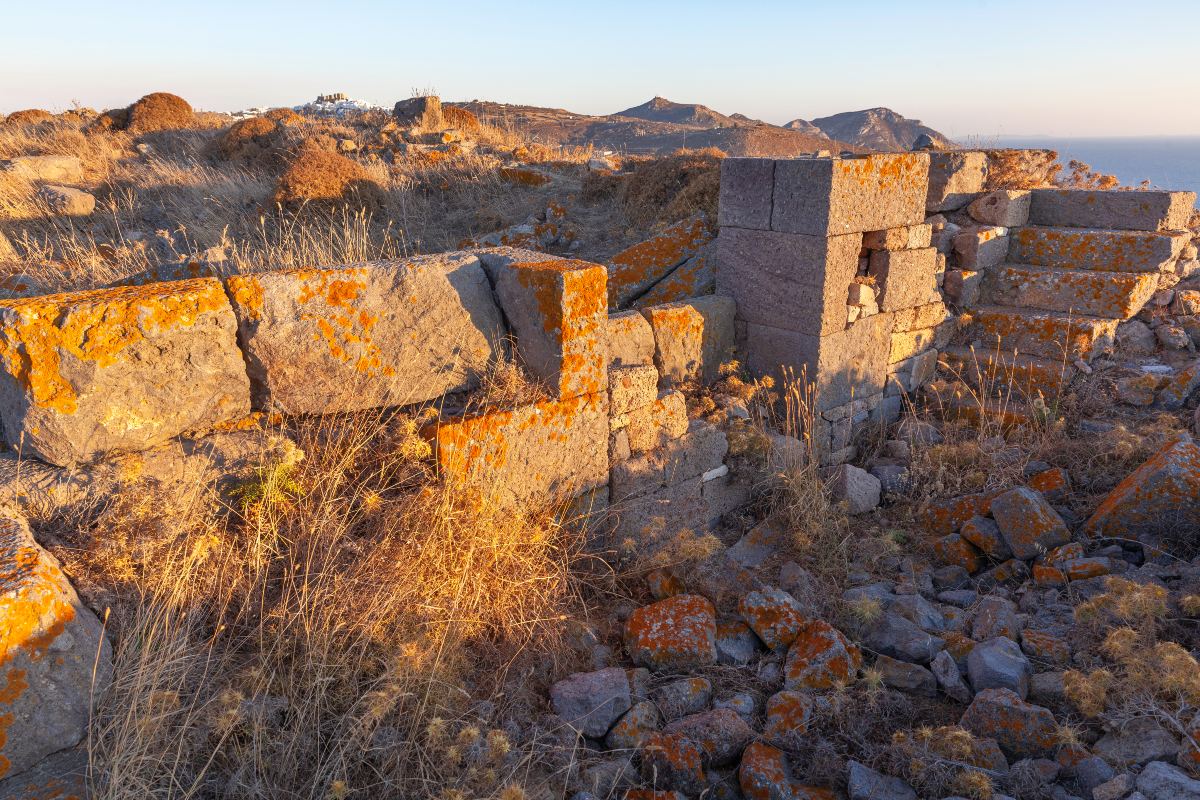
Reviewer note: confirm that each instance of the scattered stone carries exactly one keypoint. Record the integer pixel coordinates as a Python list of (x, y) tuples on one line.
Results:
[(1173, 337), (1135, 336), (1162, 781), (51, 169), (995, 616), (741, 703), (673, 761), (66, 201), (774, 615), (859, 489), (1138, 741), (628, 732), (999, 664), (591, 702), (907, 677), (683, 697), (893, 635), (678, 633), (1156, 496), (864, 783), (1114, 789), (721, 732), (984, 533), (1028, 524), (949, 679), (1020, 728), (1139, 390), (788, 714), (821, 657)]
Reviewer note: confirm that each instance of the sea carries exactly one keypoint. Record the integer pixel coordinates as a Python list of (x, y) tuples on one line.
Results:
[(1168, 162)]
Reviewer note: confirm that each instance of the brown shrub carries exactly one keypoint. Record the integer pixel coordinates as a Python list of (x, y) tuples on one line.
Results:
[(253, 140), (284, 116), (460, 118), (674, 187), (316, 175), (1021, 169), (28, 116), (160, 111), (115, 119)]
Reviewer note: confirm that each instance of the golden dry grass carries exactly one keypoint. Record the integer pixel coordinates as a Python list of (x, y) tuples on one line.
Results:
[(675, 187)]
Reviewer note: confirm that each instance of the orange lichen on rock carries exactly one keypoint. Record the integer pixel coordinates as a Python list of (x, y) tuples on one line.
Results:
[(821, 657), (677, 633), (1162, 492), (788, 714), (93, 326), (637, 268), (953, 550), (947, 516), (1020, 728), (524, 176)]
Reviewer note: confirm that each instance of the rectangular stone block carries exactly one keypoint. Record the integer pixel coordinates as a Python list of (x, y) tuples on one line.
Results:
[(692, 339), (634, 270), (834, 196), (1004, 207), (962, 286), (911, 343), (387, 333), (701, 449), (746, 188), (649, 520), (630, 388), (1122, 210), (1047, 334), (788, 281), (653, 425), (924, 316), (630, 340), (83, 374), (980, 248), (555, 449), (910, 237), (839, 367), (956, 177), (1116, 295), (904, 278), (1102, 250)]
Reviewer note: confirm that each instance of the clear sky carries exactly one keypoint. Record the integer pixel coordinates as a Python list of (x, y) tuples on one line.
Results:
[(984, 67)]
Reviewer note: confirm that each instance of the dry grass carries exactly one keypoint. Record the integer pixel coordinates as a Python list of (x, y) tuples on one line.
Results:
[(319, 176), (160, 111), (333, 636), (28, 116), (675, 187)]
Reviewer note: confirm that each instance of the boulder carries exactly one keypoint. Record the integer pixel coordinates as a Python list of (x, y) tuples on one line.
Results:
[(1162, 781), (1158, 495), (1021, 729), (673, 761), (774, 615), (62, 776), (591, 702), (65, 201), (678, 633), (388, 333), (736, 643), (424, 113), (984, 533), (52, 642), (721, 732), (999, 664), (1028, 524), (895, 636), (83, 374), (864, 783), (631, 729), (683, 697), (53, 169), (1137, 742), (906, 677), (788, 715), (821, 657), (995, 616), (949, 679), (859, 489)]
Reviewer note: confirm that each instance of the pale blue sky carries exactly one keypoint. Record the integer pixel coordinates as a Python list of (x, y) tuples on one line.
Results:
[(986, 67)]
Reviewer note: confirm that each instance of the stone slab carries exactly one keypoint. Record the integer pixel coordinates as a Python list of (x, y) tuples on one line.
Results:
[(634, 270), (1158, 497), (1046, 334), (83, 374), (1113, 295), (834, 196), (1122, 210), (747, 185), (956, 177), (1103, 250), (692, 338), (904, 278), (630, 340)]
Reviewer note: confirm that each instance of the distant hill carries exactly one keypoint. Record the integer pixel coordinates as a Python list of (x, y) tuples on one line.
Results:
[(660, 109), (804, 126), (877, 129)]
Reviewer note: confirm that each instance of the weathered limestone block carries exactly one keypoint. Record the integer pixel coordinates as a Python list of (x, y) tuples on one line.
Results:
[(634, 270), (559, 316), (552, 449), (1003, 207), (905, 278), (87, 373), (788, 281), (650, 519), (844, 365), (1114, 295), (1136, 210), (166, 273), (423, 113), (630, 340), (51, 644), (66, 201), (1104, 250), (956, 177), (653, 425), (909, 237), (693, 278), (631, 388), (62, 776), (832, 196), (692, 339), (746, 188), (55, 169), (387, 333), (962, 286), (1043, 333), (699, 451), (980, 248), (1156, 498)]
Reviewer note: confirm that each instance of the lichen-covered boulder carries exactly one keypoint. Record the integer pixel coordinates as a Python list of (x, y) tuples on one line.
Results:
[(1028, 524), (86, 373), (721, 733), (678, 633), (821, 657), (636, 269), (673, 761), (49, 645), (774, 615), (1023, 730), (1159, 495), (387, 333)]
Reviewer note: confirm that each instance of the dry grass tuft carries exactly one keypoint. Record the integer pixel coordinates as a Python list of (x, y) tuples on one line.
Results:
[(675, 187), (460, 118), (160, 111), (28, 116), (253, 141), (318, 176)]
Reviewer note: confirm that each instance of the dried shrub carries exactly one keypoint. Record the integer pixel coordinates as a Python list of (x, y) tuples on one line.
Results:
[(675, 187), (316, 175), (115, 119), (601, 185), (256, 140), (28, 116), (1021, 169), (460, 118), (1082, 176), (160, 111), (284, 116)]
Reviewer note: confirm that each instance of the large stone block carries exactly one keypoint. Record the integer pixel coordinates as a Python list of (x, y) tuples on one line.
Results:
[(980, 248), (635, 269), (691, 456), (832, 196), (746, 188), (839, 367), (87, 373), (54, 169), (1003, 207), (1115, 295), (905, 278), (1159, 497), (559, 316), (1047, 334), (789, 281), (52, 643), (387, 333), (956, 177), (630, 340), (1136, 210), (695, 277), (553, 449), (693, 338), (1103, 250)]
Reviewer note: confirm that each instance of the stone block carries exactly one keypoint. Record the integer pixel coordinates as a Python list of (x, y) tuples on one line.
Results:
[(423, 113), (631, 388), (833, 196), (1028, 524), (559, 317), (701, 449), (66, 201), (909, 344), (904, 278), (590, 702), (980, 248), (1158, 496), (1114, 295), (387, 333), (788, 281), (956, 177), (1130, 210), (87, 373), (1047, 334), (929, 315), (821, 657), (692, 339), (630, 340), (962, 286), (695, 277), (1004, 207), (51, 169), (844, 365), (909, 237), (1103, 250), (1020, 728), (653, 425), (647, 520), (746, 188), (676, 634), (634, 270), (52, 643), (552, 449)]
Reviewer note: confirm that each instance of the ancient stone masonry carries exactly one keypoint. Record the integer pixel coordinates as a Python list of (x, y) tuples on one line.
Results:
[(829, 261)]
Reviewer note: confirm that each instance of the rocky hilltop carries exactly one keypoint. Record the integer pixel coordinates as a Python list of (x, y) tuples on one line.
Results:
[(877, 129)]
